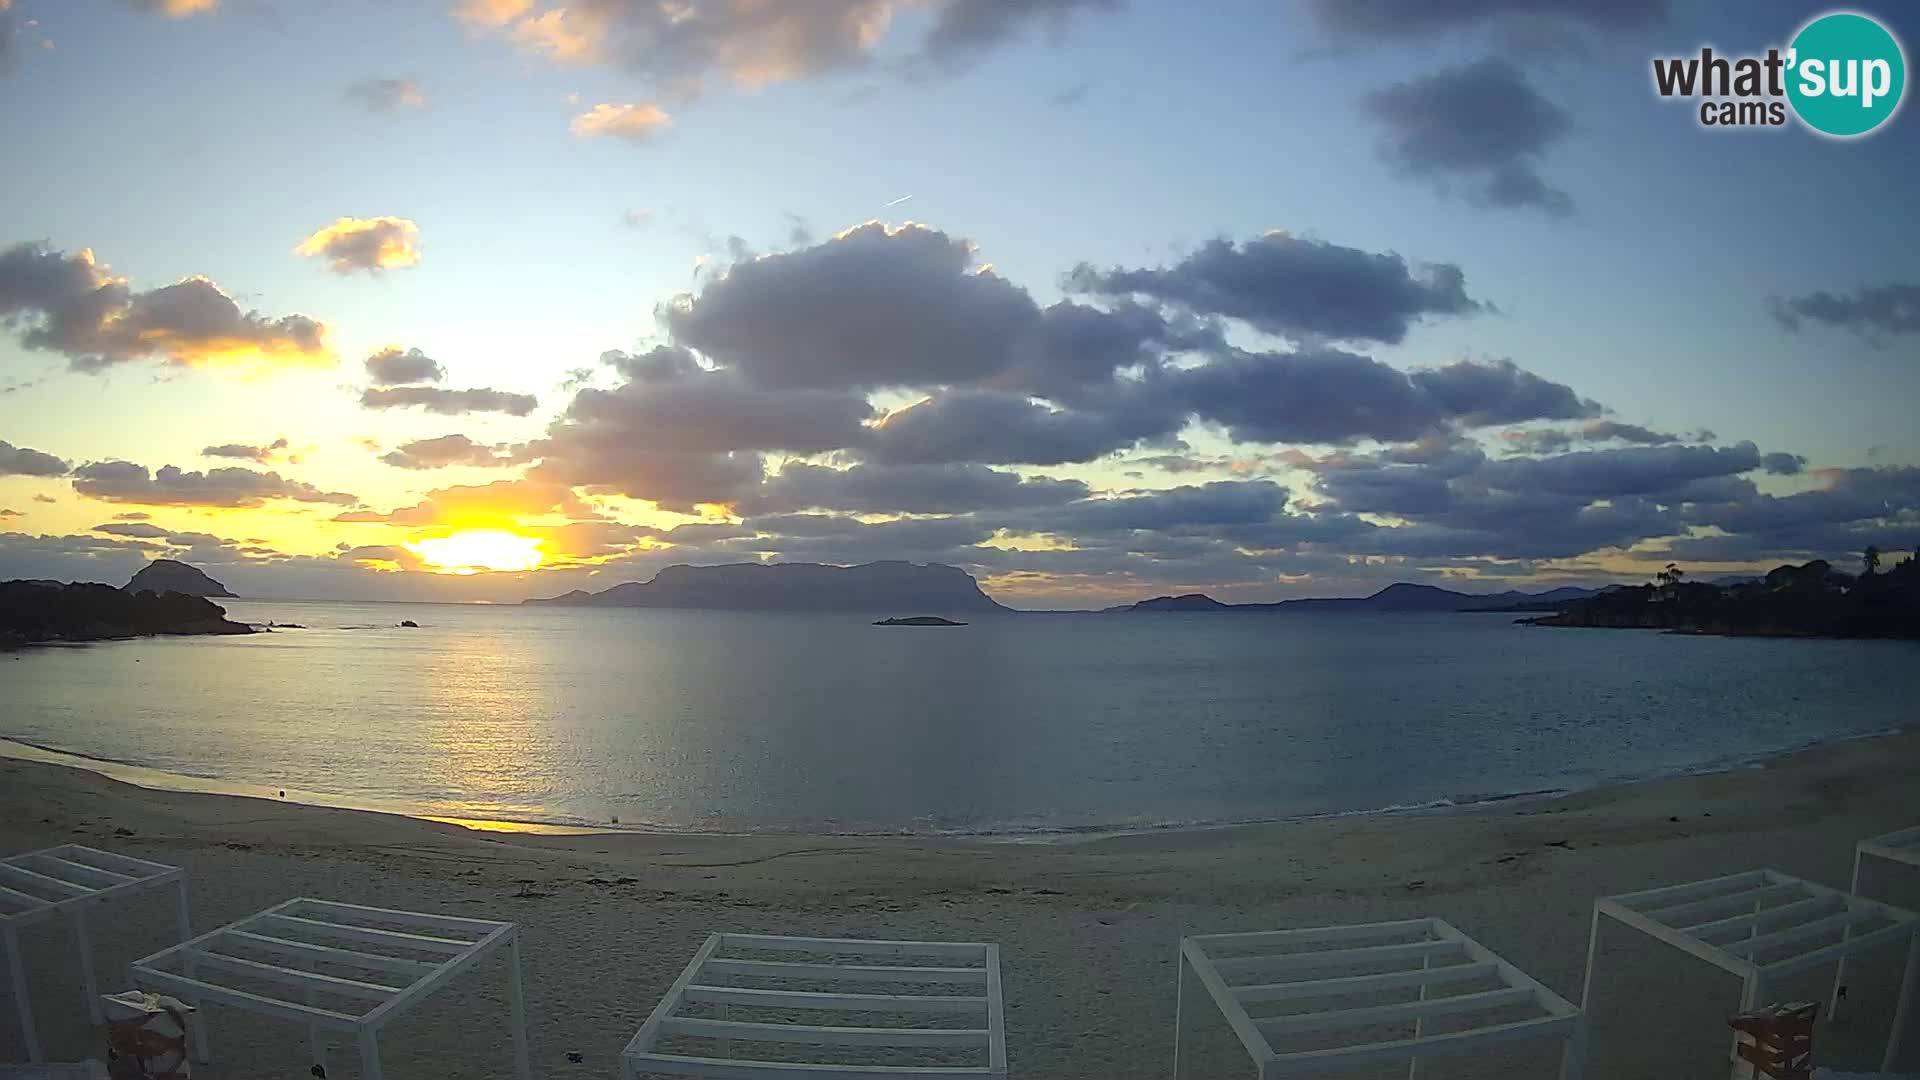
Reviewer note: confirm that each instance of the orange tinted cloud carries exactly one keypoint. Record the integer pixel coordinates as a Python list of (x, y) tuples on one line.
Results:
[(370, 244), (175, 9), (634, 123)]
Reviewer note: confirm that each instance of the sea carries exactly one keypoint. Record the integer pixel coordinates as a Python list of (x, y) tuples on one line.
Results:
[(1026, 726)]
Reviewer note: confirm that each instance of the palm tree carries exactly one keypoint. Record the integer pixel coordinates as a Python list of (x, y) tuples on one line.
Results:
[(1870, 559)]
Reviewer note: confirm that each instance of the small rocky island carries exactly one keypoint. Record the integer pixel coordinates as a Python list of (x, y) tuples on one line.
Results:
[(166, 575), (39, 612), (918, 620)]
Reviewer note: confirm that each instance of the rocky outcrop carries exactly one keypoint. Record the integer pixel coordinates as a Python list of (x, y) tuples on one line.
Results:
[(34, 612), (166, 575)]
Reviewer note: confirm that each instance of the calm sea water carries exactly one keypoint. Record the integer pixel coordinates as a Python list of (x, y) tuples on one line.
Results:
[(709, 720)]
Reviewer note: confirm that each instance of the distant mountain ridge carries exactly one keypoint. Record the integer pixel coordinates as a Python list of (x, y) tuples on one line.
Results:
[(166, 575), (1401, 596), (875, 587)]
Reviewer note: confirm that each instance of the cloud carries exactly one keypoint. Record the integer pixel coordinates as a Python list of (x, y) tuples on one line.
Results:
[(174, 9), (386, 95), (633, 123), (126, 482), (1482, 124), (445, 402), (8, 512), (1414, 18), (69, 304), (244, 452), (752, 43), (1284, 284), (1873, 313), (449, 450), (369, 244), (1782, 464), (1551, 440), (637, 217), (501, 504), (994, 427), (393, 367), (907, 489), (964, 30), (20, 461)]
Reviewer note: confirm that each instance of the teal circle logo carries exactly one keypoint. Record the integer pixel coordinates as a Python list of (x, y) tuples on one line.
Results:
[(1846, 74)]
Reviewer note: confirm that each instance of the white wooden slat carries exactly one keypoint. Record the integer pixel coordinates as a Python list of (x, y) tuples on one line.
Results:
[(735, 1069), (1830, 953), (113, 860), (25, 876), (1688, 915), (1679, 939), (1353, 1057), (481, 927), (81, 872), (25, 901), (847, 972), (1815, 929), (1508, 974), (996, 1016), (1387, 1014), (507, 932), (806, 999), (197, 992), (856, 946), (306, 980), (643, 1039), (1306, 961), (1362, 984), (289, 947), (1693, 890), (814, 1035), (1320, 935), (447, 946), (1195, 954), (1785, 913)]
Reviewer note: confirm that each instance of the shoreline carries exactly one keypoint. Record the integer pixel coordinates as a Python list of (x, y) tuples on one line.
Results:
[(1088, 929), (155, 779)]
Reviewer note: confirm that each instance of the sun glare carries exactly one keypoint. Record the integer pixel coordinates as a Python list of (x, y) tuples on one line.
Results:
[(474, 550)]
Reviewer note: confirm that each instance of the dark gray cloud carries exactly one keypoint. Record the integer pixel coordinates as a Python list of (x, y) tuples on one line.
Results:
[(445, 402), (1413, 18), (1554, 440), (1783, 464), (1481, 125), (1638, 470), (1002, 429), (244, 452), (1874, 313), (964, 30), (906, 489), (126, 482), (386, 95), (1284, 284), (450, 450), (392, 366), (69, 304), (21, 461)]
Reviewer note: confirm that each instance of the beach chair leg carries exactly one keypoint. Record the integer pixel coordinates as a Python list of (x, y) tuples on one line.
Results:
[(90, 986), (196, 1022), (316, 1038), (1413, 1066), (1179, 1004), (1901, 1010), (370, 1055), (1846, 932), (1750, 993), (21, 1006), (517, 1011), (1593, 948), (1573, 1053)]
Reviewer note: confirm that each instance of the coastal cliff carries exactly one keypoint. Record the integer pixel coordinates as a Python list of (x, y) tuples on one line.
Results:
[(36, 612)]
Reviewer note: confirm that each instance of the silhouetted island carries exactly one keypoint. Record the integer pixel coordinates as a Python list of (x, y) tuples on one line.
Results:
[(166, 575), (1809, 600), (36, 612), (918, 620), (1400, 596), (869, 587)]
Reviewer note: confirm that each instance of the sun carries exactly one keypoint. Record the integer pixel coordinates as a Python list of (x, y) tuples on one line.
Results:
[(473, 550)]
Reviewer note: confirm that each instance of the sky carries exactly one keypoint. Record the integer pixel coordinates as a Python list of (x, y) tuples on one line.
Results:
[(487, 299)]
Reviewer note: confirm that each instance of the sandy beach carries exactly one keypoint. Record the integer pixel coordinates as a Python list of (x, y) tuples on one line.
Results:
[(1087, 927)]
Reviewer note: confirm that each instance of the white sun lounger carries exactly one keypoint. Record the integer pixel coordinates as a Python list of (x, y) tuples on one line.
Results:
[(1430, 972), (952, 1010), (1894, 847), (397, 958), (68, 880), (1762, 925)]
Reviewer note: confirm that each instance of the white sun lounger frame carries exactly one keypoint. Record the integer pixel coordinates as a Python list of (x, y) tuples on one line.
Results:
[(705, 982), (377, 948), (68, 879), (1325, 975), (1898, 847), (1723, 921)]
